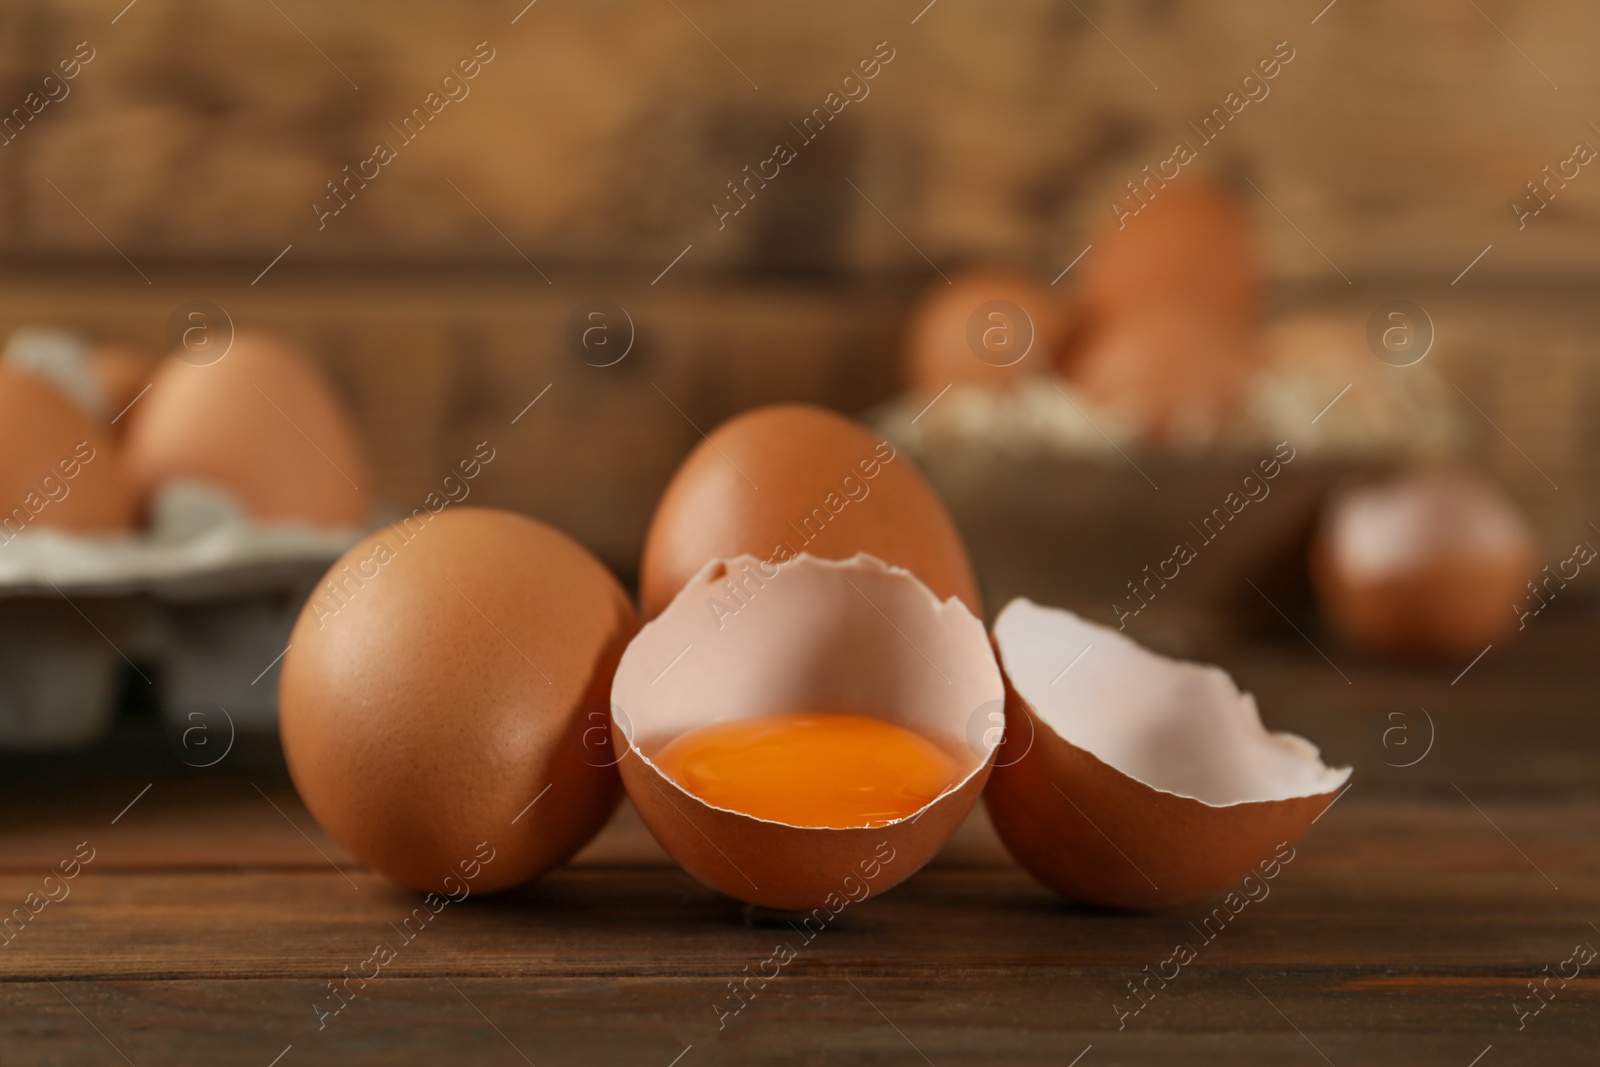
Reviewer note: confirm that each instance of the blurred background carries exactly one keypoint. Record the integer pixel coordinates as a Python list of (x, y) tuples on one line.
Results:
[(543, 161)]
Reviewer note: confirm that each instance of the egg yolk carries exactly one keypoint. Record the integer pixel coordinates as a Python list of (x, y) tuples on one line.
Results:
[(811, 769)]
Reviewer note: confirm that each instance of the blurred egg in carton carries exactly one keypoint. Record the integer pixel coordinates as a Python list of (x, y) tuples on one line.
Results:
[(161, 524)]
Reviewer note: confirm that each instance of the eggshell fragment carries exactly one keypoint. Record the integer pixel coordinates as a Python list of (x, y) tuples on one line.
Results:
[(813, 633), (1131, 780), (57, 466), (1433, 564), (446, 686), (260, 422), (792, 478), (985, 328)]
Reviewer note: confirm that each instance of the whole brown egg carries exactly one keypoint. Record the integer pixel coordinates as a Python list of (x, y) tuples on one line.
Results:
[(259, 421), (986, 328), (57, 466), (1176, 373), (1432, 564), (789, 479), (1190, 242), (446, 696)]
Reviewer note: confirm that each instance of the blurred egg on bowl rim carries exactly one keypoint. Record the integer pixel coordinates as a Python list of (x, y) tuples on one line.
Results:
[(987, 328)]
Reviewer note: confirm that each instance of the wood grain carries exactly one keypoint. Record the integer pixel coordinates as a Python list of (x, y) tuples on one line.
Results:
[(1395, 140), (1408, 924)]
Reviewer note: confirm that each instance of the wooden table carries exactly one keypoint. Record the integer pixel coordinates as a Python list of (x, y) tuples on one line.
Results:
[(1405, 931)]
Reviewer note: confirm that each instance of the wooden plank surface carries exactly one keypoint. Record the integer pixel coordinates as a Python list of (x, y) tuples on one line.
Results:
[(1411, 920)]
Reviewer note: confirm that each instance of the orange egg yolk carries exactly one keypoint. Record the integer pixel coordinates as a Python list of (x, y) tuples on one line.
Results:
[(811, 769)]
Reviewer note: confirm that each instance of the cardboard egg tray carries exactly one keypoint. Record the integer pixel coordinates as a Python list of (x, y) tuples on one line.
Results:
[(203, 620)]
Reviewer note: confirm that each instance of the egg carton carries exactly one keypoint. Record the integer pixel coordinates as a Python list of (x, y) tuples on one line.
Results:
[(200, 608)]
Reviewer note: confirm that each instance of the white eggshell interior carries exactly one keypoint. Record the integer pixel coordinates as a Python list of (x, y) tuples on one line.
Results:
[(818, 635), (1182, 728)]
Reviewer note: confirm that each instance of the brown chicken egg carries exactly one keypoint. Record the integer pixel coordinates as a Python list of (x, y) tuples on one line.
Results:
[(1177, 373), (1173, 292), (445, 696), (1131, 780), (747, 641), (985, 328), (791, 478), (57, 466), (1190, 242), (1433, 564), (260, 422)]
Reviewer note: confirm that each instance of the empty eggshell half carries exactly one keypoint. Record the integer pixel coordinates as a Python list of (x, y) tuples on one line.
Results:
[(746, 638), (1138, 781)]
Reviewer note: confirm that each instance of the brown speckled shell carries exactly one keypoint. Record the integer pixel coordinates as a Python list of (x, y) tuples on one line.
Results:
[(428, 699), (260, 422), (1059, 809), (937, 349), (818, 627), (40, 429), (741, 491)]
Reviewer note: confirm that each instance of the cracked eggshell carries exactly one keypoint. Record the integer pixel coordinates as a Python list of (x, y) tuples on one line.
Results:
[(1131, 780), (447, 684), (792, 478), (260, 422), (855, 635)]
